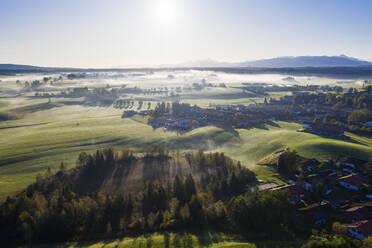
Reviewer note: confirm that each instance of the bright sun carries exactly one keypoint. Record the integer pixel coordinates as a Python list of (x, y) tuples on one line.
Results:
[(165, 11)]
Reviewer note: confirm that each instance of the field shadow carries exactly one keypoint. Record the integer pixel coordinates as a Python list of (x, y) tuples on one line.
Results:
[(261, 126), (208, 237), (340, 138), (273, 124), (232, 131), (26, 125)]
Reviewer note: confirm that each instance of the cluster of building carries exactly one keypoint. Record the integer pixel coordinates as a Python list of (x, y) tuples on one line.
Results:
[(331, 191), (305, 107), (224, 116)]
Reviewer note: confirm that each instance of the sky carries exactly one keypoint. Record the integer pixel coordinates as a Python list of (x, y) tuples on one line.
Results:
[(119, 33)]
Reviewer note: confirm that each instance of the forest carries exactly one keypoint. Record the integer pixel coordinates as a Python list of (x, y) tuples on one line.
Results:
[(57, 207)]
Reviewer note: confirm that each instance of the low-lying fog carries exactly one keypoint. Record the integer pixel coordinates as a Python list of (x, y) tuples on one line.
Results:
[(181, 78)]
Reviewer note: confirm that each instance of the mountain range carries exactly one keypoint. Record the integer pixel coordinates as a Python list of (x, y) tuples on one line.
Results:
[(279, 62)]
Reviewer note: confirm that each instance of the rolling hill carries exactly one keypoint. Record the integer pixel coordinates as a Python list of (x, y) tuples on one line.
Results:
[(20, 67)]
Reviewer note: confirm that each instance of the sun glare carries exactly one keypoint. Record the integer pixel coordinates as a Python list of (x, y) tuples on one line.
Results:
[(165, 11)]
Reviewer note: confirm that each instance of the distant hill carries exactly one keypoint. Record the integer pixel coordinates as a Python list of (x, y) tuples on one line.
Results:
[(20, 67), (307, 61), (31, 68), (281, 62)]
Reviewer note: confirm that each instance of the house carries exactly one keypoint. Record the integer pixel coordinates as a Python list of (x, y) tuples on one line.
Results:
[(357, 213), (352, 181), (360, 230), (267, 186), (310, 164), (264, 187), (368, 124), (307, 186), (352, 160), (296, 192), (344, 164), (316, 213)]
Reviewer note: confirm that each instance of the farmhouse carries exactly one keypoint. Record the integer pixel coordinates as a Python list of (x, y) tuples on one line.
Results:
[(360, 230), (352, 181), (316, 213), (267, 186), (344, 164), (357, 213), (296, 192)]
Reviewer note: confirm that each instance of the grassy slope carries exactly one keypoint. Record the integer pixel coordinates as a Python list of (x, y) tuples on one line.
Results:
[(63, 132), (173, 240), (26, 151), (257, 143)]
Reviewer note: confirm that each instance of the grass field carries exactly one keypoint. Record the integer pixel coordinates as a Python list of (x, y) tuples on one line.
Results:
[(257, 143), (49, 137), (174, 240), (204, 102), (44, 135)]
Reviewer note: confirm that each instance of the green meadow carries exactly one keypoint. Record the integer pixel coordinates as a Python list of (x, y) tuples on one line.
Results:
[(48, 136)]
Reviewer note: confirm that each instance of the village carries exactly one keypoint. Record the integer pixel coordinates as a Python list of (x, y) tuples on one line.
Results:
[(321, 113), (330, 191)]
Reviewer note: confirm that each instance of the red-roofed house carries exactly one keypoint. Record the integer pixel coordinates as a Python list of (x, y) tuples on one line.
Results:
[(316, 213), (360, 230), (296, 192), (352, 181), (357, 213)]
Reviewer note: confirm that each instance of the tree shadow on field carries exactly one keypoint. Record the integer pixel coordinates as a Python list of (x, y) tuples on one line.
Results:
[(339, 138), (166, 240), (177, 241), (148, 241), (262, 126), (349, 140), (187, 240), (232, 131), (208, 237), (271, 123)]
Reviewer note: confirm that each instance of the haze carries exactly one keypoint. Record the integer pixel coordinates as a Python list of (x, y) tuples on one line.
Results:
[(154, 32)]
